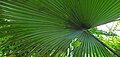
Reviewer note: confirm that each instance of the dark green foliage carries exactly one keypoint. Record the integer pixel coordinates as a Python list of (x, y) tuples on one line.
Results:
[(45, 28)]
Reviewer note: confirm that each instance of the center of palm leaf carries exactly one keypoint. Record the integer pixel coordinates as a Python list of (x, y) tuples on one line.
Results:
[(76, 26)]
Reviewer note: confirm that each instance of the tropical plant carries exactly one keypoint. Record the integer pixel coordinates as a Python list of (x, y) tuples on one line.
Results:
[(48, 28), (109, 37)]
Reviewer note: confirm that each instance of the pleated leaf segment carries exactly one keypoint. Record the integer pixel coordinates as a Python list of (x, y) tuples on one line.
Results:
[(46, 28)]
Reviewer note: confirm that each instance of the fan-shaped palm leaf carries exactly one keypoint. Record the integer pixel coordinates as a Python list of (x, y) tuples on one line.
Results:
[(47, 27)]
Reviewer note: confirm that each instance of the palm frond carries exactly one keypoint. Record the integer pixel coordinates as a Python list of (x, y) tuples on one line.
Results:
[(47, 27)]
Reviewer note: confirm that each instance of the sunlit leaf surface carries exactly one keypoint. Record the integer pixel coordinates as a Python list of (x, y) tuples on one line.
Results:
[(45, 28)]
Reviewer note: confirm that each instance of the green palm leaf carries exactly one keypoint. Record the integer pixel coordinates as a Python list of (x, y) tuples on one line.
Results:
[(46, 28)]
